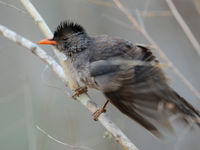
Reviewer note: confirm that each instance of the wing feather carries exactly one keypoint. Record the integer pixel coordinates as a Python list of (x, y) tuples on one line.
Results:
[(138, 90)]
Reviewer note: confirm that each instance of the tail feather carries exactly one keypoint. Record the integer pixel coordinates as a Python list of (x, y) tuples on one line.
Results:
[(188, 105), (129, 111), (193, 115), (145, 109)]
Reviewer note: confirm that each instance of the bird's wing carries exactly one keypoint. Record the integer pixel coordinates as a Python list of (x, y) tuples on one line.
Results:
[(173, 97), (136, 85), (129, 94)]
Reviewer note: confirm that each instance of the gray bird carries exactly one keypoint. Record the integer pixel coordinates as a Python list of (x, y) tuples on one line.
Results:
[(129, 76)]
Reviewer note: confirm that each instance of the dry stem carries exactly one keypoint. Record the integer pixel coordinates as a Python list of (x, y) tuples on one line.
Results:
[(184, 26)]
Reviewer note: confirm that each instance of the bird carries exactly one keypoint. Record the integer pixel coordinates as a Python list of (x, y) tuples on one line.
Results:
[(129, 75)]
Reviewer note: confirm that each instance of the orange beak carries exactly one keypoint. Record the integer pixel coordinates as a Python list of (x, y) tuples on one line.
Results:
[(47, 41)]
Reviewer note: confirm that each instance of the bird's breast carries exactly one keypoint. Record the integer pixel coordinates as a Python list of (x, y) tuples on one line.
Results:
[(83, 75)]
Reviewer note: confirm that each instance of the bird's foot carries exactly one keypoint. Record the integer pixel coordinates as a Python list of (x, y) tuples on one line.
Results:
[(80, 91), (97, 113)]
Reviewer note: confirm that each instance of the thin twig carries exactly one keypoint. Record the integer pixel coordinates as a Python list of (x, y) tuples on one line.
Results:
[(117, 21), (184, 26), (160, 52), (12, 6), (31, 136), (52, 85), (144, 13), (58, 141), (101, 3), (197, 5), (139, 18), (151, 13), (47, 32), (119, 136), (146, 7)]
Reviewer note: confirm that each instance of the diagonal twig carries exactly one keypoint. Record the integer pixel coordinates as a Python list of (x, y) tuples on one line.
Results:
[(47, 32), (12, 6), (160, 52), (184, 26), (58, 141), (151, 13), (197, 5)]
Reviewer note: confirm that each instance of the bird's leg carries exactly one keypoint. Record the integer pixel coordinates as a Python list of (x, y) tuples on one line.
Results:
[(100, 111), (79, 91)]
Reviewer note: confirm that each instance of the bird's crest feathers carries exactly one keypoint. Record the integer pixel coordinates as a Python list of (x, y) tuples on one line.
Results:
[(67, 27)]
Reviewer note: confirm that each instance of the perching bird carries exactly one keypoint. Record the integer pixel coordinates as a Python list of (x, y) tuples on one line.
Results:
[(127, 74)]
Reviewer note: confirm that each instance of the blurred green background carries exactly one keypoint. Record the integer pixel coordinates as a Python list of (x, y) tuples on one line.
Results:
[(31, 94)]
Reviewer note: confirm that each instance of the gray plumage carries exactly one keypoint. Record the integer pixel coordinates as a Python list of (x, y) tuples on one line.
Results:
[(128, 74)]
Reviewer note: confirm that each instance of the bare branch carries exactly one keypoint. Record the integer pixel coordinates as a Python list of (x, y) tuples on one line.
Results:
[(160, 52), (34, 49), (47, 32), (184, 26), (119, 136)]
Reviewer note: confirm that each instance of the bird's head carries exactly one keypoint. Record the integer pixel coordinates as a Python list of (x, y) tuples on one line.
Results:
[(68, 38)]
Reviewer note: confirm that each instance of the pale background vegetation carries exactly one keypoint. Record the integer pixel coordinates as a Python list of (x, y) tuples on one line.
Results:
[(30, 94)]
